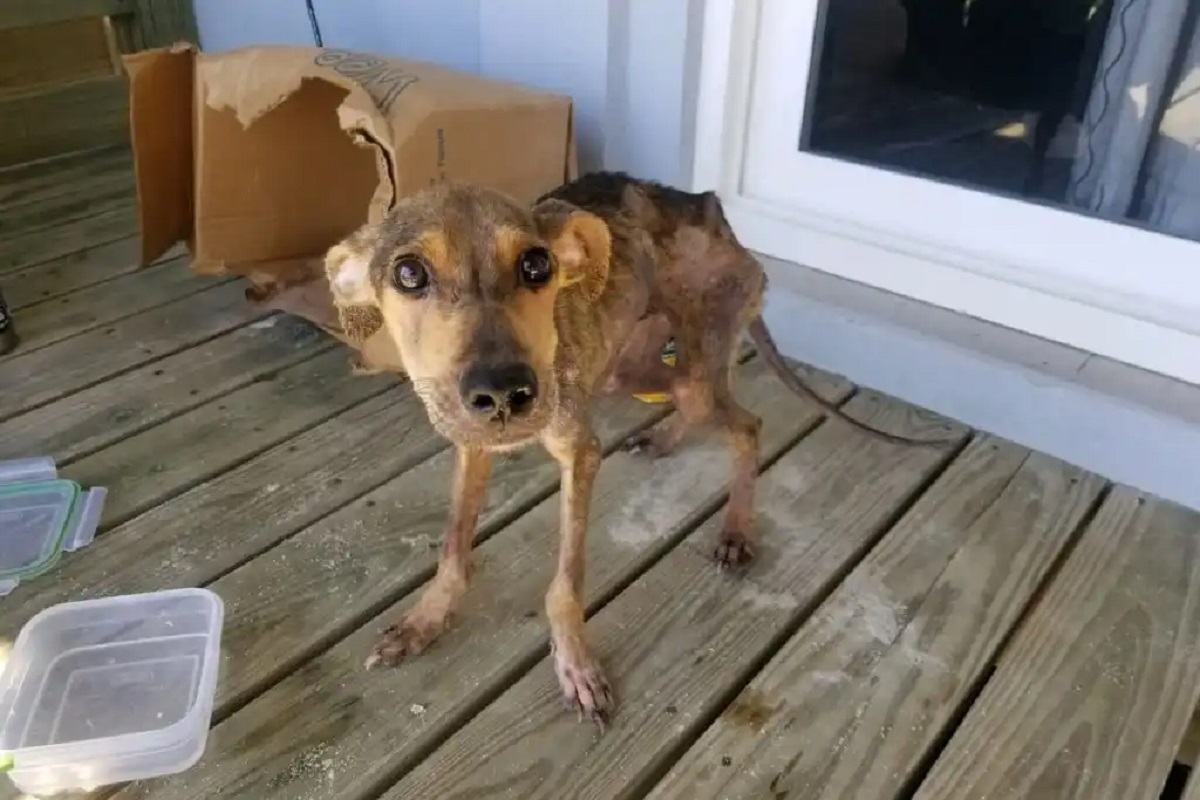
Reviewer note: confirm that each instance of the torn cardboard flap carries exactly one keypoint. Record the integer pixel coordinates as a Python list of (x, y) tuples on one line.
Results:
[(251, 83), (160, 113), (263, 158)]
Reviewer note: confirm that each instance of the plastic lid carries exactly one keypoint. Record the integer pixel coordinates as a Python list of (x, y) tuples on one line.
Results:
[(38, 521), (33, 518), (39, 468)]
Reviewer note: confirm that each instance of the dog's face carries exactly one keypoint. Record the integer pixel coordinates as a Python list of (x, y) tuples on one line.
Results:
[(465, 281)]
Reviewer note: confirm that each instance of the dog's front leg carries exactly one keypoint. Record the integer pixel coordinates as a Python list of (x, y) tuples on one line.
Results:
[(426, 620), (579, 674)]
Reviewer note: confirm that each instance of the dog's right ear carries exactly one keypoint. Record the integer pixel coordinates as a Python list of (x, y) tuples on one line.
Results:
[(347, 266)]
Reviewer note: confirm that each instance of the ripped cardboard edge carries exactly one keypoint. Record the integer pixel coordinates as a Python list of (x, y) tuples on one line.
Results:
[(170, 87), (254, 81), (161, 108)]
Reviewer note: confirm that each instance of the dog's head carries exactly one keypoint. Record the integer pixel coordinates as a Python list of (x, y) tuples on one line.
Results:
[(465, 281)]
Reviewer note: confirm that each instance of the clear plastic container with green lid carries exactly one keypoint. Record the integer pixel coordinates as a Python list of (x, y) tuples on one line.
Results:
[(97, 691), (41, 517)]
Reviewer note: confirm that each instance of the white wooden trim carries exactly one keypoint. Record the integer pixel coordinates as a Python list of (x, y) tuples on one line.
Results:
[(1017, 388), (1109, 333), (722, 104), (1141, 306)]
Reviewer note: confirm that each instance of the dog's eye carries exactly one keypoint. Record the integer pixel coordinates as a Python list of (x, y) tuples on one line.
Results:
[(534, 266), (410, 275)]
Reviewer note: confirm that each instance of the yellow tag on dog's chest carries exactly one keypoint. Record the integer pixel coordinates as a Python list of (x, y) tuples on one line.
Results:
[(668, 358)]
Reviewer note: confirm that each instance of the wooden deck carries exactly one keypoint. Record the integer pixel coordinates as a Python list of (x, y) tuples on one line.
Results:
[(971, 623)]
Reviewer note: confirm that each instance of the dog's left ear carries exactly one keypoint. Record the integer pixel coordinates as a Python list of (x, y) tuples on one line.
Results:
[(347, 266), (581, 242)]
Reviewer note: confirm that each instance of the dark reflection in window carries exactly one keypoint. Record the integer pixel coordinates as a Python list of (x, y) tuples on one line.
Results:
[(1091, 104)]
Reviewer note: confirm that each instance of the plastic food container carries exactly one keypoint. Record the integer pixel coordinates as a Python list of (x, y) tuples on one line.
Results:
[(38, 521), (110, 690)]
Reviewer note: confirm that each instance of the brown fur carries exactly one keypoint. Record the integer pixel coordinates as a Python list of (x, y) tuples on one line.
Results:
[(634, 263)]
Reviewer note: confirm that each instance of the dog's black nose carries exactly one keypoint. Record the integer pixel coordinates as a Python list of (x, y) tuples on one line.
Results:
[(498, 391)]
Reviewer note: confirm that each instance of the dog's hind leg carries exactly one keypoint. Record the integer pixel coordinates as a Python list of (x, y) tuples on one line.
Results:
[(703, 396), (690, 389), (737, 540), (580, 676), (425, 621), (708, 400), (661, 441)]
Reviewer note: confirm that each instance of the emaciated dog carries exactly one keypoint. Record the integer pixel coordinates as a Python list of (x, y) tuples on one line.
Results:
[(509, 321)]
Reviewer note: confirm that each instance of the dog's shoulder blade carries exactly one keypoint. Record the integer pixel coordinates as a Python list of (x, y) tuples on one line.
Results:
[(599, 193)]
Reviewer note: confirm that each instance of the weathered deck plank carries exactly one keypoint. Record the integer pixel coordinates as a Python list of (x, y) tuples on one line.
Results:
[(65, 175), (59, 277), (215, 527), (114, 220), (1189, 748), (54, 208), (1093, 696), (358, 723), (60, 118), (56, 371), (148, 468), (47, 323), (682, 636), (104, 414), (853, 703), (45, 217)]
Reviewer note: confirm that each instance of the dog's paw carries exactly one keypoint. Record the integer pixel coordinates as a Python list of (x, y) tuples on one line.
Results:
[(734, 550), (648, 444), (358, 367), (406, 638), (585, 689)]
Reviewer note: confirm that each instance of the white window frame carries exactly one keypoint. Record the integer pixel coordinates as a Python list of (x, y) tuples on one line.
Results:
[(1123, 292)]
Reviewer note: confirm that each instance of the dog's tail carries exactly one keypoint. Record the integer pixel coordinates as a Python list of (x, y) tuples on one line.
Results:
[(767, 348)]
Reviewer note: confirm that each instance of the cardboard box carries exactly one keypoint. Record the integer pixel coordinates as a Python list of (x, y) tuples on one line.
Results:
[(260, 159)]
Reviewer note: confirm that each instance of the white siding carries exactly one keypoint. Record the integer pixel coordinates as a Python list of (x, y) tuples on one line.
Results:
[(623, 62)]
